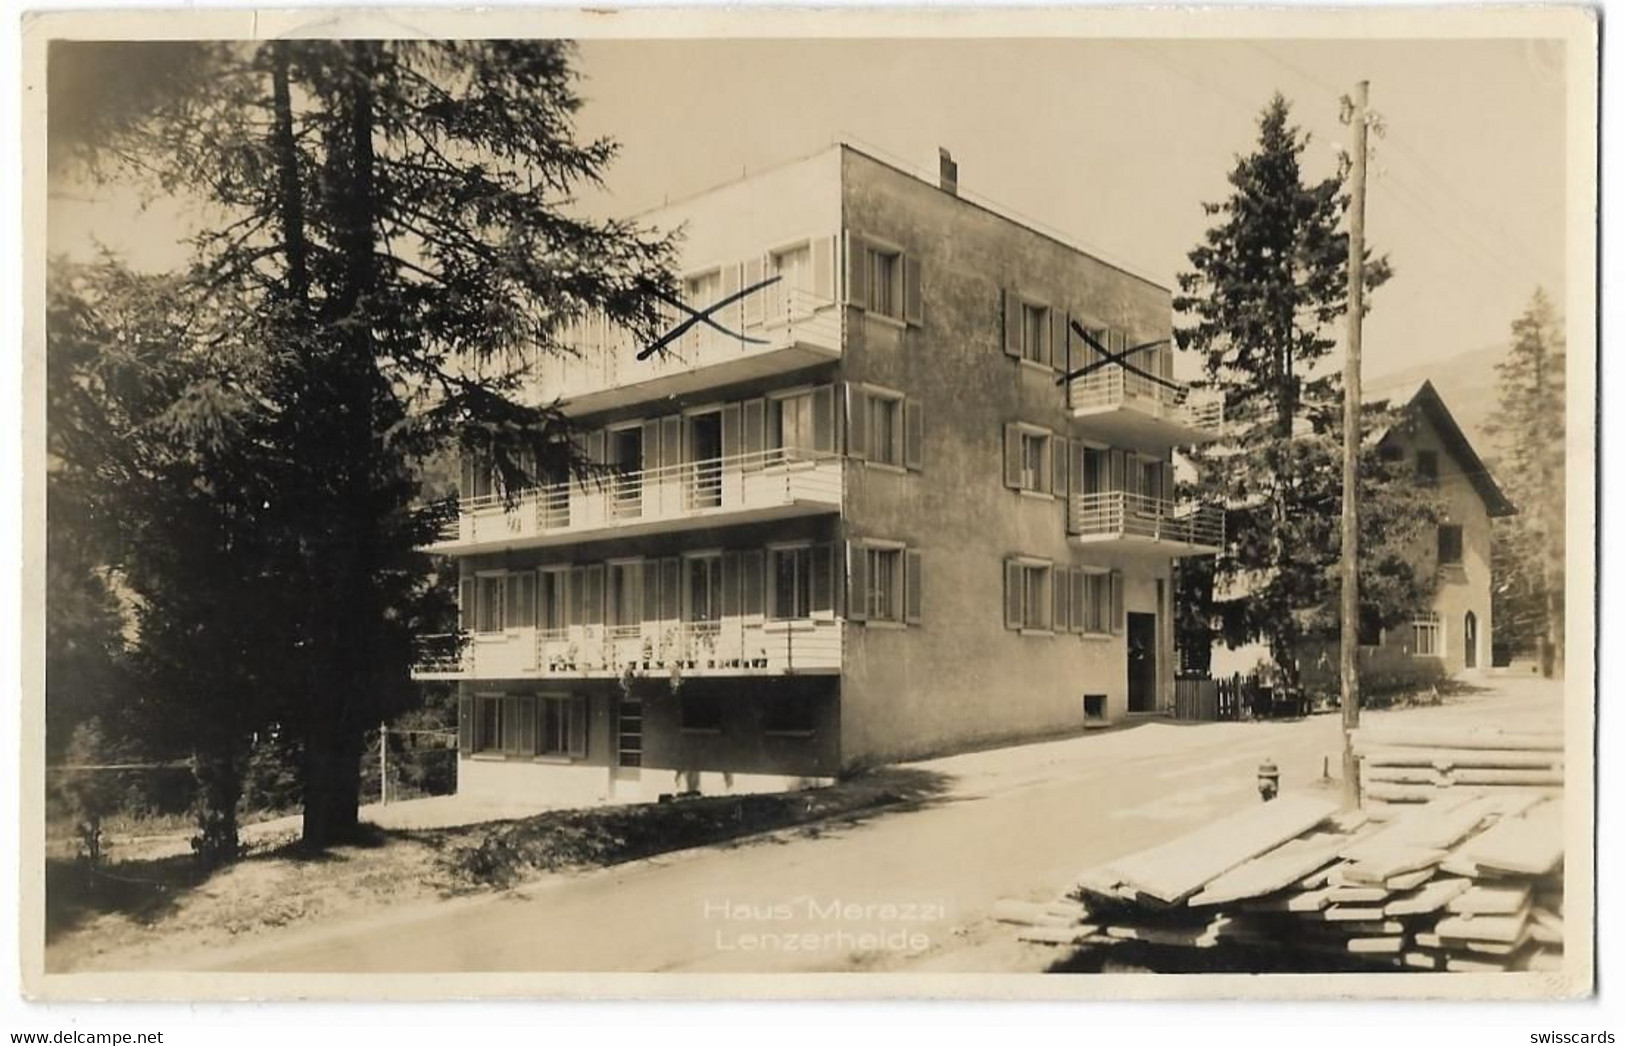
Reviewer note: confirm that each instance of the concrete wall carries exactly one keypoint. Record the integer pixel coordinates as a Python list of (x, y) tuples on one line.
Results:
[(959, 678)]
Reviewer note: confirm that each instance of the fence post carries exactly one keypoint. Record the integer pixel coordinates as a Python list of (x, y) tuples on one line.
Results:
[(383, 763)]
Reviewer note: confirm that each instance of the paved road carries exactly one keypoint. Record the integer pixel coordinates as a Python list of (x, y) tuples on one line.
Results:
[(900, 890), (1015, 822)]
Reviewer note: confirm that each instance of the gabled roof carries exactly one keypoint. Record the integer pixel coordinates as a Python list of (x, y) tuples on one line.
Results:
[(1425, 399)]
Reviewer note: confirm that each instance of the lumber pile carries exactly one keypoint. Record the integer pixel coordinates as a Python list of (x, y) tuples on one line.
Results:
[(1409, 765), (1465, 882)]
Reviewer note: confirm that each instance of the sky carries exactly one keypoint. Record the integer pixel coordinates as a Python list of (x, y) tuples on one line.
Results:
[(1114, 143)]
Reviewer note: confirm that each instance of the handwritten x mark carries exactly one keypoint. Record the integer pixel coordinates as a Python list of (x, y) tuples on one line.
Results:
[(1119, 358), (704, 316)]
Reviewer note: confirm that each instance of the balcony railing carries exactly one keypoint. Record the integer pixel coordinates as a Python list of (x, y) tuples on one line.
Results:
[(745, 483), (1113, 388), (1117, 514), (732, 646), (606, 357)]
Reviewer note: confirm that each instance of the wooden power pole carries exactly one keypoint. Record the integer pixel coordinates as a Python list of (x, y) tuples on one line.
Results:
[(1348, 664)]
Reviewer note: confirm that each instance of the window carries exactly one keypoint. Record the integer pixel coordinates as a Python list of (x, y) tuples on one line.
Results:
[(1028, 459), (790, 425), (489, 591), (552, 604), (1028, 598), (626, 455), (629, 733), (625, 599), (1426, 638), (703, 585), (790, 575), (519, 600), (700, 710), (1094, 706), (1427, 467), (703, 289), (1449, 545), (885, 573), (794, 715), (556, 715), (884, 275), (1032, 461), (1034, 333), (530, 725), (885, 429), (1096, 603)]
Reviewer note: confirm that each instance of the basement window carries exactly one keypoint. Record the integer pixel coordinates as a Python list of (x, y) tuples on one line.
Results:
[(1094, 708)]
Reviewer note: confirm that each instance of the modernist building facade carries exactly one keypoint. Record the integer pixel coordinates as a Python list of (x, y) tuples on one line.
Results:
[(882, 524)]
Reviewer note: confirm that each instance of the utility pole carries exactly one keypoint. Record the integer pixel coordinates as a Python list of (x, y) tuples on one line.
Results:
[(383, 763), (1351, 455)]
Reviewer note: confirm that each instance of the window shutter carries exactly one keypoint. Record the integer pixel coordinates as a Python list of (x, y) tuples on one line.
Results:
[(823, 274), (1117, 469), (650, 568), (729, 315), (857, 587), (1012, 323), (1075, 586), (751, 583), (1012, 594), (823, 578), (1063, 351), (912, 585), (465, 726), (857, 422), (465, 604), (755, 304), (466, 490), (1055, 350), (578, 596), (823, 406), (671, 589), (595, 594), (527, 708), (857, 271), (579, 711), (912, 309), (913, 432), (1060, 588), (754, 432), (595, 446), (671, 442), (730, 584), (730, 433), (1060, 449), (511, 598), (1117, 601), (1012, 457), (651, 444)]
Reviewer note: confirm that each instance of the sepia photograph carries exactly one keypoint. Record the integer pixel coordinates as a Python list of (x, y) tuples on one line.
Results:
[(836, 503)]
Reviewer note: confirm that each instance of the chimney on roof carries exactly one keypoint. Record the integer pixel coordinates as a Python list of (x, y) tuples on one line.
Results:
[(949, 172)]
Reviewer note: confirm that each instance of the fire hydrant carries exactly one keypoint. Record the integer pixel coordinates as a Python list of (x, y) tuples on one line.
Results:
[(1269, 780)]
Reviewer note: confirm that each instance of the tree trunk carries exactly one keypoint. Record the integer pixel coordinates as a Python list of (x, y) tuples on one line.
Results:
[(290, 202), (218, 770)]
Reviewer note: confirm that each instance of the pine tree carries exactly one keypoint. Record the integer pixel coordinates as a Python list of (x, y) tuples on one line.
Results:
[(1266, 288), (399, 237), (1529, 433)]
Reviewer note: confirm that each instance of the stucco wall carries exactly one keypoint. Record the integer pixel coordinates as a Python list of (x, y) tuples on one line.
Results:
[(959, 678)]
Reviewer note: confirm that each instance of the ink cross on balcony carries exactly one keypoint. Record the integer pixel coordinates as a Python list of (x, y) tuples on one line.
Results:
[(1107, 356), (704, 316)]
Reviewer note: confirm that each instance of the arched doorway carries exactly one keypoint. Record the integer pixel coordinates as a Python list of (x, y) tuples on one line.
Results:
[(1470, 639)]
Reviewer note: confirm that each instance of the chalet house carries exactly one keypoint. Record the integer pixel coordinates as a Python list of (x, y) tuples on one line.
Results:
[(873, 521), (1454, 635)]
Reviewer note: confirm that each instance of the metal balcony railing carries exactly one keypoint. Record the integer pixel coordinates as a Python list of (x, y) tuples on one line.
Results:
[(1112, 386), (1118, 513)]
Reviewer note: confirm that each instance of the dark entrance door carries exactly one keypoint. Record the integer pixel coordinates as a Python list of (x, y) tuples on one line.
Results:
[(1470, 639), (1142, 662)]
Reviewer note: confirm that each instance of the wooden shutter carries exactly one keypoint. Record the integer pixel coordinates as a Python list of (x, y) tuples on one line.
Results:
[(651, 444), (857, 586), (823, 408), (465, 726), (595, 446), (1060, 588), (465, 604), (729, 316), (1075, 587), (579, 712), (671, 589), (671, 441), (594, 594), (1012, 594), (650, 569), (1060, 449), (1117, 601), (1117, 469), (1063, 349), (913, 433), (913, 313), (857, 422), (857, 271), (1012, 457), (823, 578), (577, 596), (526, 708), (730, 584), (1055, 350), (823, 268), (1012, 323), (752, 594), (730, 433), (755, 304), (912, 586), (754, 440)]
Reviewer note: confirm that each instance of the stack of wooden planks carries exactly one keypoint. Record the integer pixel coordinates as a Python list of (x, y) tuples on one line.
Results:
[(1407, 765), (1466, 882)]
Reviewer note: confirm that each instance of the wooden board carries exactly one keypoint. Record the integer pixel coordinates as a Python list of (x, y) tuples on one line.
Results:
[(1302, 901), (1430, 898), (1174, 871), (1490, 900), (1408, 880), (1272, 871), (1377, 945), (1358, 895), (1449, 758), (1504, 928), (1454, 737), (1531, 844), (1379, 867), (1057, 934)]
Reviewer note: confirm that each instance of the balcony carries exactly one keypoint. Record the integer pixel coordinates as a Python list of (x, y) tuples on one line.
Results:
[(746, 488), (1117, 521), (1126, 409), (799, 330), (731, 647)]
